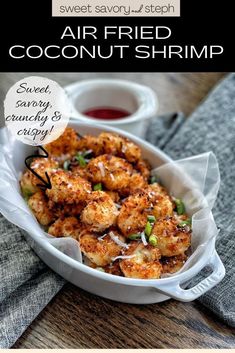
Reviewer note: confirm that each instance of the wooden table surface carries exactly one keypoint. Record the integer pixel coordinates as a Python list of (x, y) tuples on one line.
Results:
[(76, 319)]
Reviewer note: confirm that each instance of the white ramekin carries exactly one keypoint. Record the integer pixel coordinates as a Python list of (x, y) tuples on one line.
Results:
[(127, 290), (139, 100)]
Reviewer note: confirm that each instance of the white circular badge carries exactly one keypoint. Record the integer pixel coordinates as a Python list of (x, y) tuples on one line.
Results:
[(37, 110)]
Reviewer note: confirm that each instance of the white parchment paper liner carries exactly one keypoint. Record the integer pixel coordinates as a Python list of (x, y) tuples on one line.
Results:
[(195, 180)]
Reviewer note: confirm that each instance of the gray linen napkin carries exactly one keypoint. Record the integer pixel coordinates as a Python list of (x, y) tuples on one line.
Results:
[(27, 285), (211, 128)]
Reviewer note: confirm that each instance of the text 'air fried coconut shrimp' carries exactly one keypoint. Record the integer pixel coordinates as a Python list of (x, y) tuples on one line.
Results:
[(102, 195)]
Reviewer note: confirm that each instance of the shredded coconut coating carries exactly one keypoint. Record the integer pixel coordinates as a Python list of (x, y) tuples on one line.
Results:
[(100, 212), (145, 264), (68, 188)]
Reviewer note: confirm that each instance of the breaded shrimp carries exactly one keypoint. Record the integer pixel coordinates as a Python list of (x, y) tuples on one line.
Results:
[(114, 195), (144, 263), (134, 211), (64, 209), (39, 206), (100, 250), (159, 189), (29, 181), (80, 171), (113, 172), (88, 142), (100, 212), (27, 184), (117, 145), (143, 167), (66, 227), (171, 239), (113, 269), (137, 181), (173, 264), (68, 188), (65, 146), (163, 206), (111, 143)]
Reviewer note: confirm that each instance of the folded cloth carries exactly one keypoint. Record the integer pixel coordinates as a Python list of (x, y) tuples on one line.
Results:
[(211, 128), (26, 286), (25, 279)]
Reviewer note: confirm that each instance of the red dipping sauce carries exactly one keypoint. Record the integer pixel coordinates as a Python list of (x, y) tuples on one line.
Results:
[(106, 113)]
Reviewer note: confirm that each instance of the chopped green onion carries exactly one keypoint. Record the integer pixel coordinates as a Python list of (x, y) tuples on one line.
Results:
[(81, 160), (151, 219), (153, 179), (187, 222), (66, 164), (134, 236), (98, 187), (153, 240), (26, 193), (180, 208), (148, 229)]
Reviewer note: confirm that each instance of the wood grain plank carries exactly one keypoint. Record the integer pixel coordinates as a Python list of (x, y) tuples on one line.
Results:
[(76, 319)]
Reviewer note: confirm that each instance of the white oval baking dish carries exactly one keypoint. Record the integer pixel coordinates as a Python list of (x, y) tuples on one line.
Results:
[(127, 290)]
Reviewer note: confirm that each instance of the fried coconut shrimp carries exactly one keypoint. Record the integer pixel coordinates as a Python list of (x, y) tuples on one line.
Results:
[(101, 250), (173, 264), (65, 146), (29, 181), (157, 188), (104, 196), (113, 269), (119, 146), (66, 227), (134, 211), (39, 205), (114, 196), (172, 240), (162, 205), (100, 212), (137, 181), (111, 143), (63, 209), (68, 188), (143, 261), (144, 168), (92, 143), (27, 184), (113, 172), (80, 171)]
